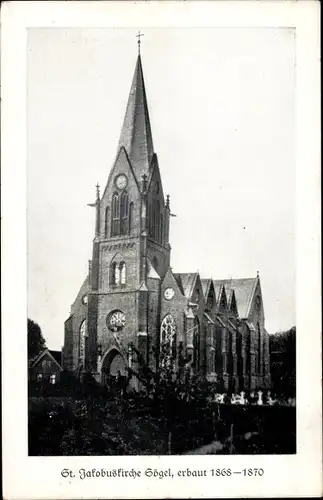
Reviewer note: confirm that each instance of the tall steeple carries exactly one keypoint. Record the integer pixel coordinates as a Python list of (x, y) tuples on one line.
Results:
[(136, 135)]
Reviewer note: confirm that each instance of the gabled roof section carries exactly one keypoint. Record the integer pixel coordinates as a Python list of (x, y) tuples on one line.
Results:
[(143, 287), (189, 313), (154, 176), (209, 319), (217, 289), (206, 282), (243, 289), (186, 282), (84, 288), (230, 293), (220, 321), (232, 303), (178, 280), (222, 302), (151, 273), (136, 135), (251, 326), (170, 279), (46, 352), (57, 355), (122, 155)]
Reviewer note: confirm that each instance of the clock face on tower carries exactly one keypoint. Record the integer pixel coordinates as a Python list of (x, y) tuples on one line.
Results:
[(121, 181), (116, 320), (169, 293)]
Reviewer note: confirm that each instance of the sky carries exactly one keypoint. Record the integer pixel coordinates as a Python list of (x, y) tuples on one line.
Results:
[(222, 111)]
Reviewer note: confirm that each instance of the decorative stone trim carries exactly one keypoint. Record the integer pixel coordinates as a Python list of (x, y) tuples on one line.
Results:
[(118, 246)]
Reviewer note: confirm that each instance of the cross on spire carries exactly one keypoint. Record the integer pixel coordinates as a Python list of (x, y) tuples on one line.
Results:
[(139, 34)]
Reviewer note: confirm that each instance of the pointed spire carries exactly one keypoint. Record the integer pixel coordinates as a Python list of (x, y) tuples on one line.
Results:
[(136, 135)]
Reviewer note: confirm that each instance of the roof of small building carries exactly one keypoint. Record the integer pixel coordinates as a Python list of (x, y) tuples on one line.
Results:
[(57, 355), (52, 354)]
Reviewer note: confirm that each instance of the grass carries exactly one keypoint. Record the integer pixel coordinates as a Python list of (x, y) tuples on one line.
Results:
[(132, 426)]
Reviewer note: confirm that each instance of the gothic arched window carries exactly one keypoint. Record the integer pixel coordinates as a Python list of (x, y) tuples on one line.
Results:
[(120, 214), (153, 219), (114, 274), (196, 344), (247, 342), (157, 233), (106, 222), (161, 228), (168, 342), (124, 212), (259, 348), (130, 217), (149, 219), (83, 336), (115, 226), (218, 351), (122, 270)]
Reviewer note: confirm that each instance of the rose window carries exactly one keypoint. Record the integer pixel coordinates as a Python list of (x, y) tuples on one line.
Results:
[(116, 321)]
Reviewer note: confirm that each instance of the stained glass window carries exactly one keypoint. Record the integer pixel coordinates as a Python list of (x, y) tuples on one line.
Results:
[(122, 269), (83, 335), (168, 342)]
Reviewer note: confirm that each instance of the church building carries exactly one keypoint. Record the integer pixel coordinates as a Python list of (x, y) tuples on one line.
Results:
[(132, 301)]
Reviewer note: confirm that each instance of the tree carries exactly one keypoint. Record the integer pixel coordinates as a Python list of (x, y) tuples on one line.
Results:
[(177, 395), (36, 341), (283, 362)]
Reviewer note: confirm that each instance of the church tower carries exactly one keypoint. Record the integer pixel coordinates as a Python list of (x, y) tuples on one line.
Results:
[(131, 251), (132, 304)]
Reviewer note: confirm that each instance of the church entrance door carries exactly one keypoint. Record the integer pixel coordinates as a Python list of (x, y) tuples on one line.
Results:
[(114, 367)]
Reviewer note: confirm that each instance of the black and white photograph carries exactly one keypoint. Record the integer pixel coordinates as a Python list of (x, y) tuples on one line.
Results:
[(161, 259), (161, 209)]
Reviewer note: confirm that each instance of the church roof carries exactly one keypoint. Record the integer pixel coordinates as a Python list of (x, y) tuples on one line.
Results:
[(186, 282), (206, 282), (243, 290), (217, 289), (136, 135), (230, 293)]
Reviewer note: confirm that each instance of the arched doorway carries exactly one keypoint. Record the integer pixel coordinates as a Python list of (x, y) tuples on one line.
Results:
[(113, 366)]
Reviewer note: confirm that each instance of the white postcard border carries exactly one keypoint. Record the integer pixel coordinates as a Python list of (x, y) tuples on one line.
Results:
[(33, 477)]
